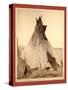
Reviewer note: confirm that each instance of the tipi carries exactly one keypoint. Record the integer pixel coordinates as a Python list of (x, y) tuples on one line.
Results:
[(39, 52)]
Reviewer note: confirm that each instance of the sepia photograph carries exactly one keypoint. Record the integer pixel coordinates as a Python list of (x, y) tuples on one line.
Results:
[(40, 44)]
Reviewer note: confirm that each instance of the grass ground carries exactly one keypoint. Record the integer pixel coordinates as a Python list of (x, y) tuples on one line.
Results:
[(24, 71)]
